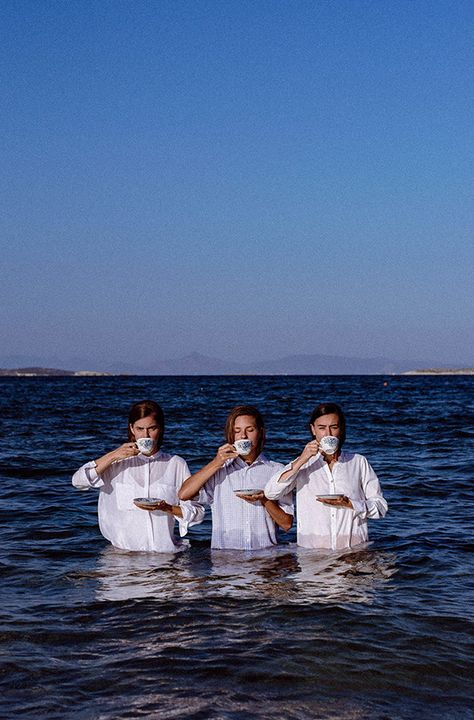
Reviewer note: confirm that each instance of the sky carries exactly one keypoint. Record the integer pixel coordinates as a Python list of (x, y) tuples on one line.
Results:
[(242, 179)]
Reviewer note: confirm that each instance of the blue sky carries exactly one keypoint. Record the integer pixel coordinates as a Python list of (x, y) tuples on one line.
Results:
[(241, 179)]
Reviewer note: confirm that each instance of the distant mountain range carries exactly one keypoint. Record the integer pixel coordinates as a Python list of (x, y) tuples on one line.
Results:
[(197, 364)]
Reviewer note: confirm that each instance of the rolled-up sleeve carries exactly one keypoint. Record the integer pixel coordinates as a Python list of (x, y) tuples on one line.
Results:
[(193, 514), (374, 504), (193, 510), (86, 477), (276, 489)]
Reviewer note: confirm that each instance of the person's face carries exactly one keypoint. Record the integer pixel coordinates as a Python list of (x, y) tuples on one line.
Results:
[(146, 427), (245, 428), (326, 425)]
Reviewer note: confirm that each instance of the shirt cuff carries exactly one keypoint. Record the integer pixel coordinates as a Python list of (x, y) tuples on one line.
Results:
[(92, 474), (193, 514), (360, 508), (288, 479)]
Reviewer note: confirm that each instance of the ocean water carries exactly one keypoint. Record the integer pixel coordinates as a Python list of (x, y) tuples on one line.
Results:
[(87, 631)]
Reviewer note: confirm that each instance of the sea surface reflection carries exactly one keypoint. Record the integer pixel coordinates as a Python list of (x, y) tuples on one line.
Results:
[(283, 574), (383, 632)]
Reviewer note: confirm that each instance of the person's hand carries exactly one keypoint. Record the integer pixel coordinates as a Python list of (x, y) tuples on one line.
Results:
[(159, 505), (310, 450), (226, 452), (257, 496), (128, 449), (341, 501)]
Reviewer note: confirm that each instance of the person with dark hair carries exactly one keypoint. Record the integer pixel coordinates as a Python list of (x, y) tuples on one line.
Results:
[(336, 491), (139, 469), (232, 484)]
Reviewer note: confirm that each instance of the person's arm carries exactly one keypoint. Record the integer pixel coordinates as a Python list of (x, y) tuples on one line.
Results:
[(310, 450), (90, 474), (374, 506), (163, 506), (283, 481), (126, 450), (277, 514), (193, 484)]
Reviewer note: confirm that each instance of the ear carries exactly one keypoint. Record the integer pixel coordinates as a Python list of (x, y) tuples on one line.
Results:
[(313, 431), (131, 430)]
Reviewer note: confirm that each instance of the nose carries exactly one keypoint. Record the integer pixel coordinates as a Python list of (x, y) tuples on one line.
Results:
[(147, 433)]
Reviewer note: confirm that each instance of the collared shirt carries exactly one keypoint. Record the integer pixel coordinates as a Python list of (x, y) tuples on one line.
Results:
[(236, 523), (124, 524), (323, 526)]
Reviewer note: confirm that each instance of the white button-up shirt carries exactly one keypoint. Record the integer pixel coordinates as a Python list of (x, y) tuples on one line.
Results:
[(236, 523), (323, 526), (127, 526)]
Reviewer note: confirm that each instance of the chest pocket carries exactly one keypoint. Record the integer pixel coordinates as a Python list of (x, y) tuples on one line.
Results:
[(165, 492), (124, 494)]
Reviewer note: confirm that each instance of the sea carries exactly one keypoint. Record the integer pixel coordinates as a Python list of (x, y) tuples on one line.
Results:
[(385, 631)]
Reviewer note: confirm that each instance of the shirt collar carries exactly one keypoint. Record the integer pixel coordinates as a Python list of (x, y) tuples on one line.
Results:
[(149, 458), (319, 458), (259, 460)]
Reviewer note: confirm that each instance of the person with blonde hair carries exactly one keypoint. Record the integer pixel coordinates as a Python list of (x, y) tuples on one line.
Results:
[(232, 484)]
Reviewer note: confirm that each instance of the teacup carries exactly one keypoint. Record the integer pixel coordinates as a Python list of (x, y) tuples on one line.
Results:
[(329, 444), (243, 446), (145, 445)]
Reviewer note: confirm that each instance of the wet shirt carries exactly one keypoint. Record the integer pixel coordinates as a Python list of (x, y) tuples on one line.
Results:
[(323, 526), (120, 521), (236, 523)]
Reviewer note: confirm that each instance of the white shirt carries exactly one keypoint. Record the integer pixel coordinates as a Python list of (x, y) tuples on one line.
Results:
[(120, 521), (236, 523), (323, 526)]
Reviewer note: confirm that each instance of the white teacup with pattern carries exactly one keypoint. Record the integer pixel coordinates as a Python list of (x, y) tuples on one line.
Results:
[(329, 444), (145, 445), (243, 446)]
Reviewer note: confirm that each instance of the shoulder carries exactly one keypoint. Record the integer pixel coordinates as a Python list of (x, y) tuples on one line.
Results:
[(356, 460), (352, 457), (175, 460), (272, 464)]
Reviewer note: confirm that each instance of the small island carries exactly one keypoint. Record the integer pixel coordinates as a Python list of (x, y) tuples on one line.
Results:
[(441, 371), (47, 372)]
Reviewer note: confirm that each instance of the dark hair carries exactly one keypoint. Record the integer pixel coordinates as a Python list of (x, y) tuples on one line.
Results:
[(329, 409), (143, 409), (245, 410)]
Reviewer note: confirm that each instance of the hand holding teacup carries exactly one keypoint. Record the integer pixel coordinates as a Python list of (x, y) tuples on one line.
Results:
[(310, 450), (128, 449), (226, 452)]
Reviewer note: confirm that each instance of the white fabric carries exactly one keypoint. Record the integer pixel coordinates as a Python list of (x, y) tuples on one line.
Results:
[(236, 523), (120, 521), (322, 526)]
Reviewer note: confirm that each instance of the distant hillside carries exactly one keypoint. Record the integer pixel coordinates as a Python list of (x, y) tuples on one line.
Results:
[(196, 364)]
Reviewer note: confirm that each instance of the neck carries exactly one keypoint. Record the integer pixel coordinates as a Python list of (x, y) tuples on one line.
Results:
[(249, 459)]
